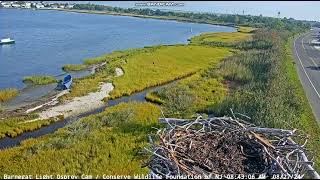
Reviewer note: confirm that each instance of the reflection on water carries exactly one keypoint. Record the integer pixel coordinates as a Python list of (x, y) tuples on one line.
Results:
[(6, 47)]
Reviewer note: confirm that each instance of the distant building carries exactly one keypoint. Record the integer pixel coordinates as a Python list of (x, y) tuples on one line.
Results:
[(54, 6), (39, 6), (69, 6), (61, 6), (28, 5), (15, 5), (5, 5)]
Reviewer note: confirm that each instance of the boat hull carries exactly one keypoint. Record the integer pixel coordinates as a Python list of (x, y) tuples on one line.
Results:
[(67, 85), (9, 42)]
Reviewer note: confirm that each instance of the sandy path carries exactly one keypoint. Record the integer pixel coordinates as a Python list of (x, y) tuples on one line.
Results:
[(79, 104)]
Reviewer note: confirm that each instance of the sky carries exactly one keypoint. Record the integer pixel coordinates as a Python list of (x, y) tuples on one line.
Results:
[(302, 10)]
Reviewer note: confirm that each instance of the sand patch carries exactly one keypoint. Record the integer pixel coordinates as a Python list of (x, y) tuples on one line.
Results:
[(119, 72), (79, 104)]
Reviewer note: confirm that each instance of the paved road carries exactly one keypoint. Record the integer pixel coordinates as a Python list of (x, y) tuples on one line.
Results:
[(308, 65)]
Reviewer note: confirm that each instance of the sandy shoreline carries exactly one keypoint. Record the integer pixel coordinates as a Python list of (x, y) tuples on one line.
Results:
[(79, 104)]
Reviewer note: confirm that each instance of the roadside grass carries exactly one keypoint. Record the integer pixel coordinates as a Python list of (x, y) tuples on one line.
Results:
[(7, 94), (14, 126), (109, 143), (40, 80), (74, 67), (165, 64)]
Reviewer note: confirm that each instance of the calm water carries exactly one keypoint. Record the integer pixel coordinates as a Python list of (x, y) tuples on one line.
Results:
[(46, 40)]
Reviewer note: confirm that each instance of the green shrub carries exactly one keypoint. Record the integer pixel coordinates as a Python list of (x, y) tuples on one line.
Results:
[(177, 101)]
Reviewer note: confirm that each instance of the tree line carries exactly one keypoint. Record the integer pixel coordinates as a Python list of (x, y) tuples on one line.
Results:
[(236, 19)]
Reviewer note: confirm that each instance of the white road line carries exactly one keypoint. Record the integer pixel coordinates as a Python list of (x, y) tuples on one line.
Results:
[(294, 44)]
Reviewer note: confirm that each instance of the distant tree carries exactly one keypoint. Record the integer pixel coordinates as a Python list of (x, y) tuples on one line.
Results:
[(236, 19), (158, 12), (248, 20)]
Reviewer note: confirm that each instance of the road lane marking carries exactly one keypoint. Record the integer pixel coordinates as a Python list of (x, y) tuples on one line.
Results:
[(303, 44), (295, 48)]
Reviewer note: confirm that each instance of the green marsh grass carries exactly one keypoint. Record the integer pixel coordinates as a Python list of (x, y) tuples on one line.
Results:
[(160, 64), (165, 64), (74, 67), (242, 34), (154, 98), (191, 95), (14, 126), (109, 143), (40, 80), (7, 94), (246, 29)]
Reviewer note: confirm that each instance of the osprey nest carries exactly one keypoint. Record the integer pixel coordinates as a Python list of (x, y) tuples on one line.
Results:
[(227, 147)]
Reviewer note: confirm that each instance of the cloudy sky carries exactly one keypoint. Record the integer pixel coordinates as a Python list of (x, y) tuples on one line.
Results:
[(303, 10)]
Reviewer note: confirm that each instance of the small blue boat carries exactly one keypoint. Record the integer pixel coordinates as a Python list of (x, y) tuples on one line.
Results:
[(66, 83)]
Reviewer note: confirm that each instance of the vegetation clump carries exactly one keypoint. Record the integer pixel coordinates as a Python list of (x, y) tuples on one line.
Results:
[(40, 80), (7, 94), (154, 98), (14, 126), (74, 67)]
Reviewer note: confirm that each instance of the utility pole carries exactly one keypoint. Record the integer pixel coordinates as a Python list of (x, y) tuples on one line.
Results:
[(278, 14)]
